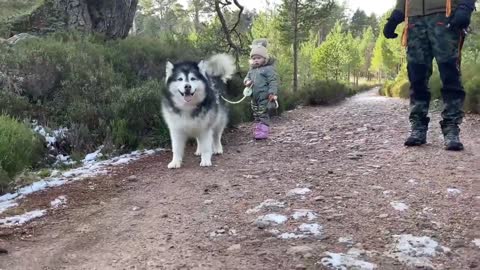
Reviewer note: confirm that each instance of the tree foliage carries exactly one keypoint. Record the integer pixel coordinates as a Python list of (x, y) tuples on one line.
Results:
[(297, 18)]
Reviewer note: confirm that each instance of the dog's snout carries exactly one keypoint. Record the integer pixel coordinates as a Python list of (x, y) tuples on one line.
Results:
[(188, 88)]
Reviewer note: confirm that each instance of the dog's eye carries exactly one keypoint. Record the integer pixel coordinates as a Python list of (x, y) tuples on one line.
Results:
[(180, 79), (193, 79)]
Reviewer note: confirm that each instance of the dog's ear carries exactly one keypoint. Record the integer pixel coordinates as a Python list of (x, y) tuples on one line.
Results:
[(168, 70), (202, 66)]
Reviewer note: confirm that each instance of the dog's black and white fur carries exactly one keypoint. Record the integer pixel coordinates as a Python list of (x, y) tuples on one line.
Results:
[(192, 107)]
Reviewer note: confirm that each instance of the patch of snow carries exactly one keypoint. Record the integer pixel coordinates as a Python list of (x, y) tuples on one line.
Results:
[(55, 173), (303, 231), (59, 202), (6, 205), (274, 231), (122, 161), (267, 204), (9, 200), (272, 219), (301, 213), (287, 236), (66, 160), (356, 252), (311, 229), (92, 157), (149, 152), (340, 261), (90, 169), (413, 181), (476, 242), (62, 158), (298, 191), (7, 197), (415, 251), (40, 185), (453, 191), (21, 219), (399, 206), (346, 240), (51, 139)]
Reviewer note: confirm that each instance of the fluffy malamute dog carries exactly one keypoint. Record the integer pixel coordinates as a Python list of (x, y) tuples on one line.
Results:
[(192, 107)]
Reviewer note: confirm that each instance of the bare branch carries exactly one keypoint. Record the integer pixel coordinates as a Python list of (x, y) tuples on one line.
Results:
[(239, 18), (228, 32)]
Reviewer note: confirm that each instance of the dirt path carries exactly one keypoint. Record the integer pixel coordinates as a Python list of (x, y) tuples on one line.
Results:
[(369, 198)]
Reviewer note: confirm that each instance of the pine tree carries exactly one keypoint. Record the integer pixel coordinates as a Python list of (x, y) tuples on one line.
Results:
[(297, 17), (365, 50), (331, 57), (387, 55), (359, 22)]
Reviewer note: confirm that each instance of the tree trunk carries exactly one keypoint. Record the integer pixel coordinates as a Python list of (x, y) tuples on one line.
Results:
[(111, 18), (349, 80), (134, 29), (197, 5), (295, 47)]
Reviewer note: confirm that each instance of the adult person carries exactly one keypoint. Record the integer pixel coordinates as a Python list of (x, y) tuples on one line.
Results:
[(435, 29)]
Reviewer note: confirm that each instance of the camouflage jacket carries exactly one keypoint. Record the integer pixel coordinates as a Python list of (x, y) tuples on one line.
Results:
[(425, 7)]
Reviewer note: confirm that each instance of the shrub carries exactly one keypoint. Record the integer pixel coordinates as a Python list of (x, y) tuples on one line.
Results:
[(95, 88), (19, 148), (472, 102), (140, 59), (9, 9), (240, 113), (138, 117), (362, 88), (322, 93), (287, 100), (400, 87), (15, 106)]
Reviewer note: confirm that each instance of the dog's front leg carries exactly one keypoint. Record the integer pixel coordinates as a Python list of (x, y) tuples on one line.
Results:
[(217, 141), (205, 141), (198, 152), (178, 147)]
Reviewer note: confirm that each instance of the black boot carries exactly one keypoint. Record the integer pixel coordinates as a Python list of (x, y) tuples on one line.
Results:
[(418, 135), (451, 135)]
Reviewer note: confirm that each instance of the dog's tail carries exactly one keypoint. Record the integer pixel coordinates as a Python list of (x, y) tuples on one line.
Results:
[(221, 65)]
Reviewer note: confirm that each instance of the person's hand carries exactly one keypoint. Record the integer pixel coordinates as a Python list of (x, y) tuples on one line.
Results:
[(395, 19), (461, 17), (248, 83), (272, 97)]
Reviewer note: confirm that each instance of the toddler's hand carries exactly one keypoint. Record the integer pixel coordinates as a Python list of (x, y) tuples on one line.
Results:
[(248, 83), (272, 97)]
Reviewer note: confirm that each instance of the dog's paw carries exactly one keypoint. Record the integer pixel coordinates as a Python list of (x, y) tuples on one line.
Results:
[(206, 163), (218, 149), (198, 153), (175, 164)]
